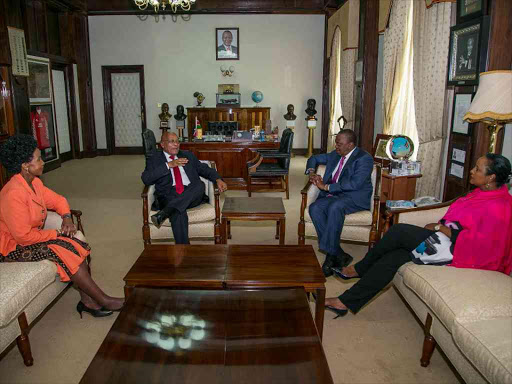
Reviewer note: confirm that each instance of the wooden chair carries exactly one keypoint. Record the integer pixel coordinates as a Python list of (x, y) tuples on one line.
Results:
[(203, 220), (271, 171), (360, 227)]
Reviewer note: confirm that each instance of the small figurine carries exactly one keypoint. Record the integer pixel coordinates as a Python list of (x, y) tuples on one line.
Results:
[(200, 98), (164, 116), (311, 111), (290, 116), (180, 113)]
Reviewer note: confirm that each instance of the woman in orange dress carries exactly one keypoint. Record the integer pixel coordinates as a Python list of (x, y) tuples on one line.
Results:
[(24, 202)]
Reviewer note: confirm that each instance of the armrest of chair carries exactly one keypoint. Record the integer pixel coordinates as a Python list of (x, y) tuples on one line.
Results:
[(420, 216), (54, 221), (254, 163)]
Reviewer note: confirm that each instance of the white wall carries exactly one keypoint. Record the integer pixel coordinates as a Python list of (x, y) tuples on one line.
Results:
[(280, 55)]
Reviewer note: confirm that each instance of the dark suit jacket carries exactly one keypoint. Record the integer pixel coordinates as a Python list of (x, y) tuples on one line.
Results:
[(355, 179), (156, 172), (233, 49)]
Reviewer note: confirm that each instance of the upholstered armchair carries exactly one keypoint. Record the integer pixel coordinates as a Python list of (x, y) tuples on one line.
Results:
[(359, 227), (203, 220), (271, 171)]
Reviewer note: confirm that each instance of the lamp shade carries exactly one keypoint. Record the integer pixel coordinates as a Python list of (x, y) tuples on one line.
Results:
[(493, 99)]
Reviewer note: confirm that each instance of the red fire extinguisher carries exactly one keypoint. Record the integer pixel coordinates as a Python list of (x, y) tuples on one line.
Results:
[(40, 128)]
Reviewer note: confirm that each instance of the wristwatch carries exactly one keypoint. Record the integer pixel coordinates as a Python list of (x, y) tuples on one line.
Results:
[(437, 227)]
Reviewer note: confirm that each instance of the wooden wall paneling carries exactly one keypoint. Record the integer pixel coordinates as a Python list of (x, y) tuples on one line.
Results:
[(41, 26), (455, 186), (30, 25), (370, 58), (82, 58), (5, 57), (324, 126), (52, 20), (499, 56), (217, 6), (66, 34)]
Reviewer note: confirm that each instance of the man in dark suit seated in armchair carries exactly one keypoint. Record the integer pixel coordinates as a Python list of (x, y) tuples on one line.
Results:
[(178, 187), (345, 188)]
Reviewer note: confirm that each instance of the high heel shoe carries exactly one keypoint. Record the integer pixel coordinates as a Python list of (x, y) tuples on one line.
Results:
[(102, 312), (337, 311), (341, 275)]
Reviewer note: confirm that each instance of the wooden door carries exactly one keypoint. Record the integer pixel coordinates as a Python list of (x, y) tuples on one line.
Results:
[(125, 108)]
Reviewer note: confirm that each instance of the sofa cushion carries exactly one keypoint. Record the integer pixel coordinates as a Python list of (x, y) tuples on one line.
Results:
[(488, 345), (20, 283), (465, 294), (199, 214)]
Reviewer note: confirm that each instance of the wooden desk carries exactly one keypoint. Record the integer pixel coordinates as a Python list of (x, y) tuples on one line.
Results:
[(253, 209), (398, 187), (230, 266), (230, 158), (247, 117), (162, 336)]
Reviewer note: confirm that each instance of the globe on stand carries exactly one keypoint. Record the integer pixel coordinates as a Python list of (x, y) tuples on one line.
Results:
[(257, 97)]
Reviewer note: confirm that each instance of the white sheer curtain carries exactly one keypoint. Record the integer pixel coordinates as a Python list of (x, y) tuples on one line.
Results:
[(399, 109), (334, 89), (431, 41)]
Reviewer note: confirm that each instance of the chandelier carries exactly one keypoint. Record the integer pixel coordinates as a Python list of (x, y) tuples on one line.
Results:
[(156, 4)]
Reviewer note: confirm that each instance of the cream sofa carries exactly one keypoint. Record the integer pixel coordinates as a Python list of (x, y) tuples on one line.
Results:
[(467, 312), (26, 290)]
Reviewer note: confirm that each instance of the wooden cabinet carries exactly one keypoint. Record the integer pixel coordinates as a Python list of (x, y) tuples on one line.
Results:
[(247, 117), (398, 187)]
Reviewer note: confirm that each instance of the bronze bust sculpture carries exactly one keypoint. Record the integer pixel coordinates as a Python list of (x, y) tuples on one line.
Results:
[(180, 113), (311, 111), (290, 116), (165, 115)]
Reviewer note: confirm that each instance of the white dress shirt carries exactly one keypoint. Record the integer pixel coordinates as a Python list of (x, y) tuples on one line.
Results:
[(184, 177), (344, 163)]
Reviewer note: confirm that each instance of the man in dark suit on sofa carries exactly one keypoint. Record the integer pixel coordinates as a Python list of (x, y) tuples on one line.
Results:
[(345, 188), (178, 187)]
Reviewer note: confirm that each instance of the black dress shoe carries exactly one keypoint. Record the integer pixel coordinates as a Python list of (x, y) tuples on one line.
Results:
[(102, 312), (158, 218), (326, 266), (337, 311), (343, 260), (337, 272)]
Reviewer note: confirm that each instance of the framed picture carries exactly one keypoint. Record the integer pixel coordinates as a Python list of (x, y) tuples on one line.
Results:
[(379, 147), (227, 44), (468, 50), (43, 129), (461, 103), (470, 9), (39, 82)]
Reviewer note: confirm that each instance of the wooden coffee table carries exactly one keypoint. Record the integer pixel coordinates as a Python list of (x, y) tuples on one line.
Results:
[(213, 336), (230, 267), (253, 209)]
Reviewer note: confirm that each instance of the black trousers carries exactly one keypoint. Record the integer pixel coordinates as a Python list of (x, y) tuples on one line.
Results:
[(175, 207), (380, 264)]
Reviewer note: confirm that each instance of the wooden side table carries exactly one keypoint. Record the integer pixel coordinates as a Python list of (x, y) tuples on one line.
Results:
[(253, 209), (397, 187)]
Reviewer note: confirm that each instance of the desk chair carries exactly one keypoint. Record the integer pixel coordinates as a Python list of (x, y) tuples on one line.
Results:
[(270, 171)]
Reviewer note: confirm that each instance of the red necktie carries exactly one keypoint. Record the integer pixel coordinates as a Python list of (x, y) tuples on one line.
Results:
[(177, 177), (337, 174)]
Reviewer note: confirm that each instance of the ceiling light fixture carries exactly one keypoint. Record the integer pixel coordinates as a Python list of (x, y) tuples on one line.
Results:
[(157, 4)]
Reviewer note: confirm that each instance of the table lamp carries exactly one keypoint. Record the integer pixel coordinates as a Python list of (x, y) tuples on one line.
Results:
[(492, 104)]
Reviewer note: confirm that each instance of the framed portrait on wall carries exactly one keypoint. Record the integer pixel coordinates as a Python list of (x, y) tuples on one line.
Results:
[(470, 9), (468, 51), (461, 103), (43, 129), (227, 43), (39, 81)]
